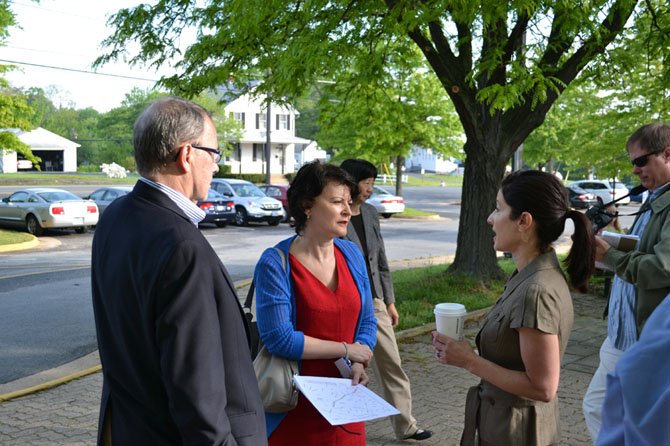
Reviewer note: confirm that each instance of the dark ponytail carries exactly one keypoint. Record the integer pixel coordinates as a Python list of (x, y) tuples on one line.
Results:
[(580, 262), (544, 197)]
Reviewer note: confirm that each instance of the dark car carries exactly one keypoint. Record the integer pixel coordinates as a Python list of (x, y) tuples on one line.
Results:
[(579, 198), (105, 195), (639, 198), (278, 192), (218, 209)]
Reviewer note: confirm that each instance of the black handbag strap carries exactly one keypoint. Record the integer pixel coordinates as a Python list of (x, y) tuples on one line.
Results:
[(248, 302)]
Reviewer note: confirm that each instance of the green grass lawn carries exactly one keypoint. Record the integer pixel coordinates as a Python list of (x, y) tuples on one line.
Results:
[(428, 179), (55, 179), (410, 212), (417, 291), (11, 237)]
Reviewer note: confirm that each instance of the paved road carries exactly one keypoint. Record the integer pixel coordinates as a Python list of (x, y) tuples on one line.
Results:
[(45, 305)]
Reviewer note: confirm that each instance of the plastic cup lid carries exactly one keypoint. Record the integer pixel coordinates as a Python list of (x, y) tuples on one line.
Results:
[(450, 308)]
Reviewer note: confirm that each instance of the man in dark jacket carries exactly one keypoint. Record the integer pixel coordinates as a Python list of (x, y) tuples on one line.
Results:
[(171, 333)]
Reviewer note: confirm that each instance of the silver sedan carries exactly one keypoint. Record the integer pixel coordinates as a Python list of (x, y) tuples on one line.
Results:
[(35, 209)]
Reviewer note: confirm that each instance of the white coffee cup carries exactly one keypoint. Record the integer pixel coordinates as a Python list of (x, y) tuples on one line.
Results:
[(449, 318)]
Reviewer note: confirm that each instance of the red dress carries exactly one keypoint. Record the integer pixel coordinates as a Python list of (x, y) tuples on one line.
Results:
[(323, 314)]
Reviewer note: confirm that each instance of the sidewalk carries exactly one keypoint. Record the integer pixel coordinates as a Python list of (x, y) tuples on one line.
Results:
[(68, 414)]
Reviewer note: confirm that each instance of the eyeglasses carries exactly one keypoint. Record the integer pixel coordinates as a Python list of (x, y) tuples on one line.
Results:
[(642, 161), (216, 153)]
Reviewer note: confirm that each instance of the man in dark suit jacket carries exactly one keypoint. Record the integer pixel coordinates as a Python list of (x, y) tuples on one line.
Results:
[(172, 336)]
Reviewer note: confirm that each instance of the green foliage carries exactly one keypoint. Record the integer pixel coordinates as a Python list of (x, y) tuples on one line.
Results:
[(503, 65)]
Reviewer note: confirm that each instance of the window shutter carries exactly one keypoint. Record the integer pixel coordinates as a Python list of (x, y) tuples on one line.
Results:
[(258, 117), (277, 123)]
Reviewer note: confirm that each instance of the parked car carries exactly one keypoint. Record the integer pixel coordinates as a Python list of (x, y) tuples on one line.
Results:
[(251, 203), (604, 190), (35, 209), (386, 203), (639, 198), (579, 198), (278, 192), (218, 209), (105, 195)]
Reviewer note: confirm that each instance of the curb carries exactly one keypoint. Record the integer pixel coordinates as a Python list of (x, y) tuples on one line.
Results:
[(32, 243), (91, 362)]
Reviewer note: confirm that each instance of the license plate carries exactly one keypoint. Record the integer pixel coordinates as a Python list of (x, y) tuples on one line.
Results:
[(78, 220), (220, 208), (275, 213)]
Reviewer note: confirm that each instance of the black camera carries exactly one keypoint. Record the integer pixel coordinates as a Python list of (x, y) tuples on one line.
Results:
[(599, 217)]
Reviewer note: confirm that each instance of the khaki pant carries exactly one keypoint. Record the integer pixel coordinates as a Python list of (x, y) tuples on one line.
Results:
[(389, 372)]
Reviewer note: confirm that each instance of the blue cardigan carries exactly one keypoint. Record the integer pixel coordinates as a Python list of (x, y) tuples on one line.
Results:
[(276, 312)]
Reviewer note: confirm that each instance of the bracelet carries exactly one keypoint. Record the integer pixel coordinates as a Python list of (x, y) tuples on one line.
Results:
[(346, 351)]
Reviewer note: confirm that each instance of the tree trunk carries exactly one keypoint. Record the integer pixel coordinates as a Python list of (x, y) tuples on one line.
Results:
[(475, 255), (400, 162)]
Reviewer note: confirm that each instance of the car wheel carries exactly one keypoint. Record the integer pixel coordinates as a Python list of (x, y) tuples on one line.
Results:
[(80, 229), (33, 226), (600, 200), (240, 216), (221, 224), (387, 215), (273, 222)]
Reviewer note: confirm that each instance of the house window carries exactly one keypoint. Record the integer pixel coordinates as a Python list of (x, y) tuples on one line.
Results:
[(239, 117), (260, 120), (259, 152), (283, 122)]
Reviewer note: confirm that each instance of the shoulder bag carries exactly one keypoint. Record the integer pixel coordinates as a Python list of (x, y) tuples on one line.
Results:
[(274, 373)]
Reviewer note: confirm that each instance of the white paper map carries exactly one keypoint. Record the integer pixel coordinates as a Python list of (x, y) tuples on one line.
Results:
[(340, 403)]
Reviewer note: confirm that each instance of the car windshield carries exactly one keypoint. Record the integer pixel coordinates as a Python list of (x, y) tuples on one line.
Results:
[(247, 190), (58, 196)]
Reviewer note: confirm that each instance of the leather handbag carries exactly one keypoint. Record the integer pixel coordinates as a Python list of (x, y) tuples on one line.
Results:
[(274, 373), (275, 381)]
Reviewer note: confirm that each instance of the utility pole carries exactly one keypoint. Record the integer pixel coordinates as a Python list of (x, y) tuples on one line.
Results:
[(268, 147)]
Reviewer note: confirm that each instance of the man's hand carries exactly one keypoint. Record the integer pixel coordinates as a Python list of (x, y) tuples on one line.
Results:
[(393, 314), (601, 248)]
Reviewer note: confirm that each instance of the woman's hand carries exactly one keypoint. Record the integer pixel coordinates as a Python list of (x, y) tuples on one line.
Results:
[(358, 375), (358, 352), (451, 351)]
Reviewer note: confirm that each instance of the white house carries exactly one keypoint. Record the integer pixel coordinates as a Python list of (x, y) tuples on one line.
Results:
[(58, 154), (304, 153), (248, 155), (426, 160)]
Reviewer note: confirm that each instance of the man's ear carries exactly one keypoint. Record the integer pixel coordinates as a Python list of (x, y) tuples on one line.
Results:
[(184, 159)]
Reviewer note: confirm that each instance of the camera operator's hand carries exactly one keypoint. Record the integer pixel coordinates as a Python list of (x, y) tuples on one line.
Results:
[(601, 248)]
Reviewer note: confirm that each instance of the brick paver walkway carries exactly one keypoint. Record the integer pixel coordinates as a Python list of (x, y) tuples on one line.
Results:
[(67, 415)]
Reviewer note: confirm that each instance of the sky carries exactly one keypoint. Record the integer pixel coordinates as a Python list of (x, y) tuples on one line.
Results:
[(67, 34)]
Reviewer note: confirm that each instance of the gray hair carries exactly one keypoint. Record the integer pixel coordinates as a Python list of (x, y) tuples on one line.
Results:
[(162, 127)]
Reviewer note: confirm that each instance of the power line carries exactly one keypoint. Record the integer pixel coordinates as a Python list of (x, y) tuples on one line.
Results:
[(77, 71)]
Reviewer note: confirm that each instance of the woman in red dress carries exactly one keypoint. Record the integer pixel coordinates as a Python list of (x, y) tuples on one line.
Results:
[(317, 306)]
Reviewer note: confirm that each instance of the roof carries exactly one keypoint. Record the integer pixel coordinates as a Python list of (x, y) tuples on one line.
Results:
[(42, 138)]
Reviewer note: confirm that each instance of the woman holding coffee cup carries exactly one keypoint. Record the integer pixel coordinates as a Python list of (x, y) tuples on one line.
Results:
[(524, 336)]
